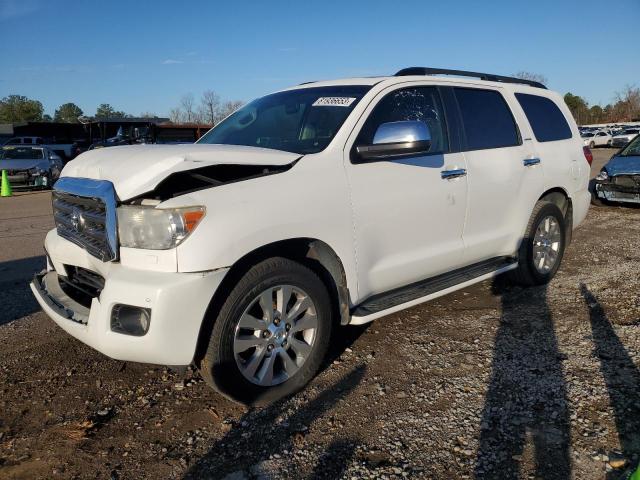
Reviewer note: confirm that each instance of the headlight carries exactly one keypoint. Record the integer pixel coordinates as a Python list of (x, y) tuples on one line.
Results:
[(156, 228), (602, 176)]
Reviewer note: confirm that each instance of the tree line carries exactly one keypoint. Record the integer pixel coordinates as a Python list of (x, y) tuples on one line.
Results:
[(209, 110), (625, 108)]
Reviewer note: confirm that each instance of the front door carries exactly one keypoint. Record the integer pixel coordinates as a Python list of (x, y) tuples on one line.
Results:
[(408, 219)]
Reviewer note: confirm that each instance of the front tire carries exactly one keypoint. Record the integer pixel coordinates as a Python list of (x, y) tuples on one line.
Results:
[(542, 247), (271, 334)]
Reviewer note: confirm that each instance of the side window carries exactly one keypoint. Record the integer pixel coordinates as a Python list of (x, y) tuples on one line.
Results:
[(486, 118), (421, 103), (27, 140), (546, 119)]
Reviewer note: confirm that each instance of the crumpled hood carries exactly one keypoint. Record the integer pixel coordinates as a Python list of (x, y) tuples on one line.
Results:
[(136, 169), (623, 166), (20, 164)]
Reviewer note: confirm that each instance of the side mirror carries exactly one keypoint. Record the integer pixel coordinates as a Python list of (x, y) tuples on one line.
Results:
[(397, 139)]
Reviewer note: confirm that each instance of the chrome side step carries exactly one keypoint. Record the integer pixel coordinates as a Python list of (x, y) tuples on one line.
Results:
[(424, 288)]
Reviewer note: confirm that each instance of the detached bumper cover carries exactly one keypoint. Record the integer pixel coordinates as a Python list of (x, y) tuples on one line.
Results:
[(19, 179), (178, 303), (618, 193)]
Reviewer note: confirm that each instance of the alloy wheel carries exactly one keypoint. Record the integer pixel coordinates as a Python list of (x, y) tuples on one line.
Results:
[(275, 335)]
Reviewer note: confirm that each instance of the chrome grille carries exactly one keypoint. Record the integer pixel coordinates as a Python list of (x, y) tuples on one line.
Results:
[(84, 213)]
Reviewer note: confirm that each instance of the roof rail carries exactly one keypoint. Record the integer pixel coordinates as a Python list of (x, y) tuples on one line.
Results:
[(462, 73)]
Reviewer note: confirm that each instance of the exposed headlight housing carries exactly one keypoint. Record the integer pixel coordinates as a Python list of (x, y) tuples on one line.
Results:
[(602, 176), (141, 226)]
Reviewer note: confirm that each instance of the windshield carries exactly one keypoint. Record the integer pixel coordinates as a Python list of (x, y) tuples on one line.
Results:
[(631, 150), (299, 121), (21, 153), (631, 131)]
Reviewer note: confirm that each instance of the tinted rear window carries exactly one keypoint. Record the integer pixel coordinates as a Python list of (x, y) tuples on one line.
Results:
[(546, 119), (486, 118)]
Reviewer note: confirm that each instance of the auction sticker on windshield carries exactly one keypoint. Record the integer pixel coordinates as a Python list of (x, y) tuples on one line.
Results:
[(333, 102)]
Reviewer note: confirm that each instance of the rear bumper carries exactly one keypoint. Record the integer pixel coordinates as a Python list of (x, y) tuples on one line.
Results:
[(178, 304), (615, 193), (580, 202), (619, 142)]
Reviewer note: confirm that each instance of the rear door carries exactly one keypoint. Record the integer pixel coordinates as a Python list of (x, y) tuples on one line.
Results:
[(505, 177), (561, 153)]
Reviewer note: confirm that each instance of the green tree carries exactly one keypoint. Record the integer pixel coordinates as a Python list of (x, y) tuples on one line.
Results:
[(105, 110), (17, 108), (578, 106), (67, 113), (596, 114)]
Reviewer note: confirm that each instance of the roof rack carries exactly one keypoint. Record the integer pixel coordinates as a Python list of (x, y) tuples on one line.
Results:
[(462, 73)]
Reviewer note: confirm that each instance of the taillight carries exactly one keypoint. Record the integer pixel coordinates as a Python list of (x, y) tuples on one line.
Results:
[(588, 155)]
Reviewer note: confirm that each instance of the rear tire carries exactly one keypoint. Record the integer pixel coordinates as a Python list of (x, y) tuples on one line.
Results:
[(542, 247), (288, 352)]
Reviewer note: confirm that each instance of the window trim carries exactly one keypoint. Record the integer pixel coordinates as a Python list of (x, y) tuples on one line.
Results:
[(464, 141), (353, 156), (564, 117)]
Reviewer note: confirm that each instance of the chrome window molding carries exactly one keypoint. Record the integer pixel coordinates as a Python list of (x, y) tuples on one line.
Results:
[(102, 190)]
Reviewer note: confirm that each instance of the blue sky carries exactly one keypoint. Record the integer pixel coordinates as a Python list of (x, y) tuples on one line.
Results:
[(144, 55)]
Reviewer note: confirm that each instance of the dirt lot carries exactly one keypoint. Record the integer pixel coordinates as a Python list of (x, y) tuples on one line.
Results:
[(490, 382)]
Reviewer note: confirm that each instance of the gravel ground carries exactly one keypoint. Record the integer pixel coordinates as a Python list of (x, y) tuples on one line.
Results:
[(489, 382)]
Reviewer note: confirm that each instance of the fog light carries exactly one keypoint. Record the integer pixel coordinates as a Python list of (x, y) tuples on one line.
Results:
[(130, 320)]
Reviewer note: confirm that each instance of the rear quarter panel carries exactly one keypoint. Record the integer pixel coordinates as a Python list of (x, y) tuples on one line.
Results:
[(563, 161)]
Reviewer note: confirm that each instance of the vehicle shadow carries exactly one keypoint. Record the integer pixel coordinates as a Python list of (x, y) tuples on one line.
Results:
[(16, 299), (621, 376), (525, 414), (261, 433)]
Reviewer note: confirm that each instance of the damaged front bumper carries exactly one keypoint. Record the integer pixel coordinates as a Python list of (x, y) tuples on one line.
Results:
[(80, 294), (623, 188), (26, 179)]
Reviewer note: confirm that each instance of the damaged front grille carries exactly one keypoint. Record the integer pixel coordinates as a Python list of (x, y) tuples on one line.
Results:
[(81, 285)]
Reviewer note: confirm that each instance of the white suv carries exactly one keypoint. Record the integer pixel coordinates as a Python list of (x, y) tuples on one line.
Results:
[(330, 203)]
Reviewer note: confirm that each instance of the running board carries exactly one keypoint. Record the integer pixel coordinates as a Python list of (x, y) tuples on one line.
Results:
[(398, 296)]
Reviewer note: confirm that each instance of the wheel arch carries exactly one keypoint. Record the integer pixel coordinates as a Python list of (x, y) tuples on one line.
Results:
[(313, 253), (562, 200)]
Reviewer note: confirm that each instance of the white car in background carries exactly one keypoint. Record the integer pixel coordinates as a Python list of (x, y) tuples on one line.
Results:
[(625, 137), (596, 139)]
